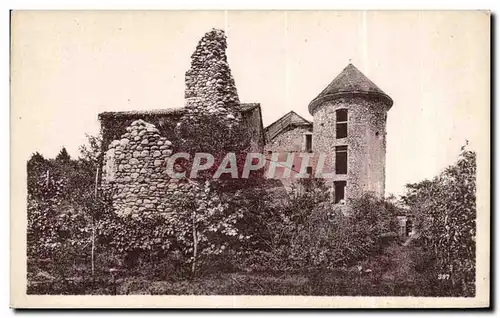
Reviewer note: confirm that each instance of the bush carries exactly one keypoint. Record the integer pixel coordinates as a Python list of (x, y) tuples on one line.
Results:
[(308, 231), (445, 213), (329, 238)]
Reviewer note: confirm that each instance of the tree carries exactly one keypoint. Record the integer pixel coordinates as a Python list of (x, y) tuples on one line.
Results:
[(63, 203), (208, 209), (445, 213), (63, 155), (92, 151), (211, 124), (37, 167)]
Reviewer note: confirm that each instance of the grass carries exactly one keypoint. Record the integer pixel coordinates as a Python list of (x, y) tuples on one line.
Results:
[(393, 273)]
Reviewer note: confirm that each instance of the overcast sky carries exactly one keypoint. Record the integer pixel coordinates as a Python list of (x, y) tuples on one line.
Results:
[(69, 66)]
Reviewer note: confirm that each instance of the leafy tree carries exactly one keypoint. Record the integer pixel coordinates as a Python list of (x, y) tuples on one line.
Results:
[(91, 152), (445, 215), (63, 206), (209, 208)]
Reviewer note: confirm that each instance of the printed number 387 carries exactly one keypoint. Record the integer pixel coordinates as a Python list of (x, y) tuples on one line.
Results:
[(444, 276)]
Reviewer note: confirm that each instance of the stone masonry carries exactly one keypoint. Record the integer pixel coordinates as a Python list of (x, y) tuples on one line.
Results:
[(134, 167), (210, 87), (135, 171)]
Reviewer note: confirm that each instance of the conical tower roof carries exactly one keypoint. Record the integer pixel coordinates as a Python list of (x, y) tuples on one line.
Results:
[(350, 82)]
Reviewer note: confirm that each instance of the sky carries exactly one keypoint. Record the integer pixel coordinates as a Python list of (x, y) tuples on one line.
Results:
[(66, 67)]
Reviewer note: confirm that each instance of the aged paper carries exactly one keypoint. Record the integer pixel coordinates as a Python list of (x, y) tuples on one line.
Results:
[(250, 159)]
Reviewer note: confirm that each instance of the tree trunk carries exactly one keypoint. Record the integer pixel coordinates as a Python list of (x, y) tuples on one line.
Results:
[(195, 246), (96, 182), (93, 247), (93, 221)]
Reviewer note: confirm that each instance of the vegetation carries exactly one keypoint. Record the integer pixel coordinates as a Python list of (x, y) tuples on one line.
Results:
[(236, 238), (445, 212)]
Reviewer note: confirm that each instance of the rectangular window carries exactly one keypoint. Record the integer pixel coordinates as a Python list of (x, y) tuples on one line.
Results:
[(308, 142), (341, 123), (341, 160), (402, 229), (409, 227), (339, 190), (310, 171)]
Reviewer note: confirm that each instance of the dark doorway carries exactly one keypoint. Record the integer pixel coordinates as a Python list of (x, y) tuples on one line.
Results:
[(339, 190)]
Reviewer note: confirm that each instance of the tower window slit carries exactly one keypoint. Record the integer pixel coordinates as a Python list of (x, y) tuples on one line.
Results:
[(341, 123), (308, 142), (309, 171), (339, 190), (341, 160)]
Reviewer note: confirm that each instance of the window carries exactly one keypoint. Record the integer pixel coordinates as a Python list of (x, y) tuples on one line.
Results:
[(402, 229), (341, 160), (409, 227), (339, 190), (308, 142), (341, 123), (310, 171)]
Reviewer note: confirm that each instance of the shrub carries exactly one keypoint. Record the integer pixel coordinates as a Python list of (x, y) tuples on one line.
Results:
[(445, 213), (329, 238)]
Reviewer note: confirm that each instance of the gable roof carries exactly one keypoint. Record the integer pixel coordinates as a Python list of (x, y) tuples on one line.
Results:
[(348, 83), (291, 119)]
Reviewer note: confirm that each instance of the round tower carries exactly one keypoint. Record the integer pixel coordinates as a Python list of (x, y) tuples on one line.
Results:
[(349, 128)]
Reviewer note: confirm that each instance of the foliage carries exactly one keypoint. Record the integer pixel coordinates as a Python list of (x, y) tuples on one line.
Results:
[(206, 223), (146, 233), (243, 223), (62, 211), (308, 231), (329, 238), (63, 155), (445, 212), (91, 153)]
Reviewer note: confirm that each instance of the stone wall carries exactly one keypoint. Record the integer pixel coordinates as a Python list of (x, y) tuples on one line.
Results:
[(366, 141), (210, 87), (252, 119), (135, 172), (212, 122), (290, 140)]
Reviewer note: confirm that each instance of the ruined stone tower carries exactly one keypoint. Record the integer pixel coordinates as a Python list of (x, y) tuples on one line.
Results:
[(349, 126), (137, 144)]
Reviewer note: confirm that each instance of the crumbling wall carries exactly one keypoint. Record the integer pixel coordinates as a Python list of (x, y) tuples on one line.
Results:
[(212, 119), (210, 87), (134, 168), (135, 171)]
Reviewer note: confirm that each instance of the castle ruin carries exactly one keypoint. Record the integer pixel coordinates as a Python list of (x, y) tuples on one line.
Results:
[(349, 126)]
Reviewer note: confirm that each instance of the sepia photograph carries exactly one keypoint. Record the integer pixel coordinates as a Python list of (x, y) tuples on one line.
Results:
[(332, 158)]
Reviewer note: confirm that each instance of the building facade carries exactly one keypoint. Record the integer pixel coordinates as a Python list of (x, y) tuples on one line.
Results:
[(348, 129)]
